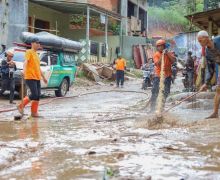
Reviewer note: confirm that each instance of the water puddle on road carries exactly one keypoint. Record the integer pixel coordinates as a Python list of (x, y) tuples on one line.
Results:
[(89, 141)]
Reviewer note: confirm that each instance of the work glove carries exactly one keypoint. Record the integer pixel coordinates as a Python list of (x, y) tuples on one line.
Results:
[(165, 51)]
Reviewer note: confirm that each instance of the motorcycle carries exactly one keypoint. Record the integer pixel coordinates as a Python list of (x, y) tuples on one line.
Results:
[(174, 72), (147, 76)]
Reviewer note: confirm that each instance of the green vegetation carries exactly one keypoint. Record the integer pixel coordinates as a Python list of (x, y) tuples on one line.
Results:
[(135, 73), (183, 6), (172, 12), (167, 16)]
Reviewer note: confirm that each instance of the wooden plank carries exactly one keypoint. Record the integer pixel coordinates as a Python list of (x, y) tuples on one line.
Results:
[(141, 54)]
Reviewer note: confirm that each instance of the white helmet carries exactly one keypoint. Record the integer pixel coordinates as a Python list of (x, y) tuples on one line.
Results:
[(10, 52)]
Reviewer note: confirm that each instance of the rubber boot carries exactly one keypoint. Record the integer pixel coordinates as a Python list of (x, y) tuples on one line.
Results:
[(21, 106), (34, 108)]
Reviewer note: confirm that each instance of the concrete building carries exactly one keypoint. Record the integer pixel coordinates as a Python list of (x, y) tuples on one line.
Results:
[(101, 27)]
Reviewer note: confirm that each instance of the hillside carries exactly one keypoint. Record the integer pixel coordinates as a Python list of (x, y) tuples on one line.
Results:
[(166, 18)]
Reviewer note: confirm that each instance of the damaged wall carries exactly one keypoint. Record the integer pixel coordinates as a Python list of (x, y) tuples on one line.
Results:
[(127, 45), (13, 23)]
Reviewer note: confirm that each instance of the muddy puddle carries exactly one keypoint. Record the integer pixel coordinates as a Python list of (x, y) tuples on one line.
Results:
[(86, 138)]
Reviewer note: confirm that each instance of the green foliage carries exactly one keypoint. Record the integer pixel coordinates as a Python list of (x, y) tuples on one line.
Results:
[(172, 12), (200, 7), (169, 16), (76, 19), (183, 6), (115, 28), (137, 73)]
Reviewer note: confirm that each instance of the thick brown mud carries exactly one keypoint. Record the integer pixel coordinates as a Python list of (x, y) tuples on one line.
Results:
[(108, 135)]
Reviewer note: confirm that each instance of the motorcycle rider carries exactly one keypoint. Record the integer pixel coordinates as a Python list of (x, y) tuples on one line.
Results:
[(148, 72)]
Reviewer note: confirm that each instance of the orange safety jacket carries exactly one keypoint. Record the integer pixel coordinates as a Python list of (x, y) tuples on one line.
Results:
[(120, 64)]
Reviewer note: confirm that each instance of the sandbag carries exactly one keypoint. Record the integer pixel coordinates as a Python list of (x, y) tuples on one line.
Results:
[(49, 40)]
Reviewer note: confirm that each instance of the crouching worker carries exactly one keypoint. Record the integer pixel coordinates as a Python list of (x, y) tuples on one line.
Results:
[(8, 67), (212, 57), (169, 59), (32, 75)]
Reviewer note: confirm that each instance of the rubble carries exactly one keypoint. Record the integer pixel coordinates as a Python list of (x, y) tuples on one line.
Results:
[(97, 72)]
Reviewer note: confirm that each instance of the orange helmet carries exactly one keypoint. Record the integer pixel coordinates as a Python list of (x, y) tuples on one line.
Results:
[(160, 42)]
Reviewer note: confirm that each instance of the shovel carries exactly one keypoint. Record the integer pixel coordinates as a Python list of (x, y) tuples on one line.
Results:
[(160, 116), (19, 117), (188, 97)]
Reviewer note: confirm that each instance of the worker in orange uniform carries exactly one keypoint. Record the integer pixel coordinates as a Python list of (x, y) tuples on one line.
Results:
[(169, 59), (32, 75), (120, 65)]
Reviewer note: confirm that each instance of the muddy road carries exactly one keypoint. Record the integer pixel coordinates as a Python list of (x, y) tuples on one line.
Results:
[(104, 135)]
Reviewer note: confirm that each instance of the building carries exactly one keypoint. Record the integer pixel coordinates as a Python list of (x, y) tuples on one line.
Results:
[(101, 27), (209, 19)]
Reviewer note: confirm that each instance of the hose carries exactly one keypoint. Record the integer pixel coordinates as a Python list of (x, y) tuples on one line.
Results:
[(50, 100)]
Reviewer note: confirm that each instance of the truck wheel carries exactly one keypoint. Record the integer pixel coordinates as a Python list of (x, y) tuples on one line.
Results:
[(64, 86)]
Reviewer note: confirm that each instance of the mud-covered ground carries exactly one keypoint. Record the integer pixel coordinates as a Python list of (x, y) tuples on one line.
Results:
[(107, 134)]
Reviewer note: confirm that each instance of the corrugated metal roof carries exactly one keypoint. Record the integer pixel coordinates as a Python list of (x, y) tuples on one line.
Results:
[(202, 19)]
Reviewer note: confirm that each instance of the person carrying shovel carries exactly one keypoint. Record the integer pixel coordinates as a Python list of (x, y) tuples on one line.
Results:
[(212, 57), (169, 59), (32, 75)]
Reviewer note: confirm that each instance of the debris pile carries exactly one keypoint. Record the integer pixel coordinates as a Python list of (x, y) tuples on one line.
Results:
[(97, 72)]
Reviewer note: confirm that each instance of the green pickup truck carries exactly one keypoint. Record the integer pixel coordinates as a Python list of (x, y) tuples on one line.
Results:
[(58, 67)]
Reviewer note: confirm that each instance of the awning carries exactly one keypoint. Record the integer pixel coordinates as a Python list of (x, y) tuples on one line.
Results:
[(75, 7), (202, 19)]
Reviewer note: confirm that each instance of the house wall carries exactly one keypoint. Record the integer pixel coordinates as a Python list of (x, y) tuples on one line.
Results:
[(13, 21), (127, 45), (113, 43), (53, 16), (111, 5)]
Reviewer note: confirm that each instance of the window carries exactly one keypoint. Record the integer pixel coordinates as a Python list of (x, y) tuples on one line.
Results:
[(69, 59), (94, 48), (45, 58), (53, 59), (41, 25), (19, 56), (103, 50)]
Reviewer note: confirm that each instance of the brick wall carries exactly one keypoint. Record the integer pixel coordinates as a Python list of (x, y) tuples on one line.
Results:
[(111, 5)]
